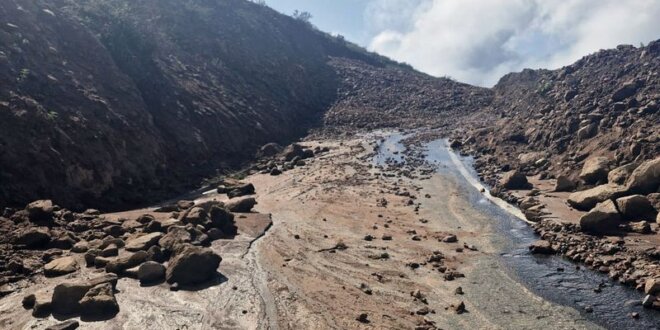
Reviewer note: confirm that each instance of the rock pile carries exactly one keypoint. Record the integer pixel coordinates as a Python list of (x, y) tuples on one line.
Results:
[(46, 238), (274, 163)]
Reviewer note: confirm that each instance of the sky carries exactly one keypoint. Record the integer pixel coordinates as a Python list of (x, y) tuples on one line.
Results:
[(478, 41)]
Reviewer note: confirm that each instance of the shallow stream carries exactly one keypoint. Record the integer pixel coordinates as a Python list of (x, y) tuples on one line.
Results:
[(552, 278)]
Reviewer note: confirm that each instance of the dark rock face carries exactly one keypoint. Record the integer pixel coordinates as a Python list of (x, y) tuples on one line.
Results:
[(103, 103)]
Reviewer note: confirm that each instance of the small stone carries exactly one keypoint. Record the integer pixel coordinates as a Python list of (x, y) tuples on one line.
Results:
[(450, 239), (363, 318), (460, 308), (66, 325)]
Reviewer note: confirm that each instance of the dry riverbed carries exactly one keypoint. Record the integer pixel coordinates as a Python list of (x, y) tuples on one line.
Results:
[(352, 244)]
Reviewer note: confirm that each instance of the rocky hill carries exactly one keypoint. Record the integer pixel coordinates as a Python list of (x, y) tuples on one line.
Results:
[(549, 122), (109, 103), (114, 103)]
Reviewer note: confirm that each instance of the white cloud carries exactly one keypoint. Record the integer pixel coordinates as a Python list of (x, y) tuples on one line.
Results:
[(478, 41)]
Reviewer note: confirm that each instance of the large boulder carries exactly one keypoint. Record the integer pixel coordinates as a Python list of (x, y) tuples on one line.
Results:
[(564, 183), (192, 265), (175, 237), (645, 179), (195, 216), (67, 296), (99, 302), (292, 151), (150, 272), (595, 169), (241, 190), (33, 237), (635, 207), (41, 210), (144, 242), (620, 174), (223, 220), (269, 150), (603, 218), (61, 266), (585, 200), (118, 265), (514, 180), (241, 205)]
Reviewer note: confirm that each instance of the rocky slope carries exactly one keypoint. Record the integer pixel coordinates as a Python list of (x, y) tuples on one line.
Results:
[(109, 103), (550, 122)]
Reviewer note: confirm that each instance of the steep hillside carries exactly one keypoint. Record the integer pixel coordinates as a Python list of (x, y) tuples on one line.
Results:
[(372, 97), (109, 103), (550, 122)]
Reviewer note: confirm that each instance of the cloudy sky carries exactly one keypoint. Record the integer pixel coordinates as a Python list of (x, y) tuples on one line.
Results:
[(478, 41)]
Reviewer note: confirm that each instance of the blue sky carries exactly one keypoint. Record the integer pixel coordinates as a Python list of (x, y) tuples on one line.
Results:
[(345, 17), (478, 41)]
